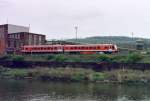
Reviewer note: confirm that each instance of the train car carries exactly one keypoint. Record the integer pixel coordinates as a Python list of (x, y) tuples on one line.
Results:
[(91, 48), (42, 49), (77, 49)]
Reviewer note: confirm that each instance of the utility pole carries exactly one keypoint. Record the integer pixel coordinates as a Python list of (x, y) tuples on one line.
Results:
[(76, 31), (29, 28), (132, 35), (110, 38)]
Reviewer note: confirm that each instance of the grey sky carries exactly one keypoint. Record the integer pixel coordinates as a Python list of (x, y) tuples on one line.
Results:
[(57, 18)]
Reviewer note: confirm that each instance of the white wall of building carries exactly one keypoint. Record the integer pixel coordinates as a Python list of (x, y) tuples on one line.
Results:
[(15, 28)]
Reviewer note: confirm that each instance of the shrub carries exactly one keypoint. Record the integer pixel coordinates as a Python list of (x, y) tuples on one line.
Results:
[(75, 59), (16, 73), (121, 59), (104, 58), (50, 57), (60, 58), (5, 57), (78, 77), (133, 58), (98, 76), (17, 58)]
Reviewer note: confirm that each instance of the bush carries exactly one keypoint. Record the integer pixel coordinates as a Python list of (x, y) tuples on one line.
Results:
[(5, 57), (98, 77), (133, 58), (16, 73), (121, 59), (78, 77), (60, 58), (75, 59), (50, 57), (17, 58), (105, 58)]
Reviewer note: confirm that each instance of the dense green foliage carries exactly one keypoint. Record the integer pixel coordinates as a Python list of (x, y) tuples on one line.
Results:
[(13, 57), (133, 58), (105, 58), (17, 58), (130, 58), (77, 75), (98, 76)]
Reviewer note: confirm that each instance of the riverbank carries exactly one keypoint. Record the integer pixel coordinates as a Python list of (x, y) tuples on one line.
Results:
[(77, 75), (127, 58)]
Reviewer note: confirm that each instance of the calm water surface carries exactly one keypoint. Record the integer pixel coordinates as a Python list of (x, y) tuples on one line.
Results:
[(12, 90)]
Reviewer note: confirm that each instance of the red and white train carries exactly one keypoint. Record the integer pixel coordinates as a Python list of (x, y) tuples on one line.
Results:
[(81, 49)]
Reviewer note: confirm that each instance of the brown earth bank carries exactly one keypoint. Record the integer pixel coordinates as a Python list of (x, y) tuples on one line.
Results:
[(101, 66), (97, 62)]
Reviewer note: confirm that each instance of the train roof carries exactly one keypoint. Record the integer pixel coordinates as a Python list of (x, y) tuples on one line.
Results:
[(67, 45)]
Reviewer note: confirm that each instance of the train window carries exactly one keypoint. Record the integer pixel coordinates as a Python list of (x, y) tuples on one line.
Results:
[(90, 47), (71, 48), (66, 47), (106, 47), (26, 48), (41, 48), (86, 47), (113, 47), (75, 47), (98, 47), (55, 48), (82, 47)]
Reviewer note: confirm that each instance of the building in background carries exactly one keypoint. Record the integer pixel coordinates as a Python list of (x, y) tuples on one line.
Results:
[(4, 31), (17, 40), (12, 37), (140, 44)]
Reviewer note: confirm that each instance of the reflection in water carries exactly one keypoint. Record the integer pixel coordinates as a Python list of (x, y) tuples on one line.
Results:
[(12, 90)]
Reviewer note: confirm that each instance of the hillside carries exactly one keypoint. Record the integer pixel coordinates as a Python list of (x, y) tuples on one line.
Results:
[(121, 41)]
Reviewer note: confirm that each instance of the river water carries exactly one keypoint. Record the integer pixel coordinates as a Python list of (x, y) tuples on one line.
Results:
[(17, 90)]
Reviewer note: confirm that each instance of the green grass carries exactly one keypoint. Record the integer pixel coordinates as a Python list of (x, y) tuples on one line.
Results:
[(14, 73), (98, 77)]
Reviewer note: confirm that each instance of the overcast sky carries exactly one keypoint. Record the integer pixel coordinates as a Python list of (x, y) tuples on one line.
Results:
[(57, 18)]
